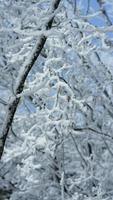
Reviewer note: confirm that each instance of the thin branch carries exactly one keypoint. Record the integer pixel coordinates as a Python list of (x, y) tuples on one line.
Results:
[(88, 6), (93, 130), (104, 12), (3, 102), (107, 146), (75, 6), (76, 146)]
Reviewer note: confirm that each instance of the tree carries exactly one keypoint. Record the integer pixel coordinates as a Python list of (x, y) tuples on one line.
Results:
[(62, 130)]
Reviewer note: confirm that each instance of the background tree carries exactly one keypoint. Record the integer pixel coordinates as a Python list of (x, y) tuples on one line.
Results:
[(61, 146)]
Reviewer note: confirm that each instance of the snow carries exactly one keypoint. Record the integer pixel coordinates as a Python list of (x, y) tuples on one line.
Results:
[(59, 145)]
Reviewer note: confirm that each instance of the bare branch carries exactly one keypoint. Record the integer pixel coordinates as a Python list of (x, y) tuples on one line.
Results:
[(93, 131), (104, 12)]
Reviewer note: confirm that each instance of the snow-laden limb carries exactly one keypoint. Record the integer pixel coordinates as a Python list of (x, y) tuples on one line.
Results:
[(23, 75)]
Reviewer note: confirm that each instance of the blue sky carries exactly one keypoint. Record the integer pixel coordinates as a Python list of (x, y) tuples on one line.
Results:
[(98, 20)]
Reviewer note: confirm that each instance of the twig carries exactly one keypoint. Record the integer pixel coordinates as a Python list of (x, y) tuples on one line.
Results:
[(93, 130), (82, 158)]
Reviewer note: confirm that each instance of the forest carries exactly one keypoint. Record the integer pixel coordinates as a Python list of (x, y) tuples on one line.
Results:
[(56, 99)]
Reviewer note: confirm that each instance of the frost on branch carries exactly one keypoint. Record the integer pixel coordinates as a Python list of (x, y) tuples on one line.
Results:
[(60, 141)]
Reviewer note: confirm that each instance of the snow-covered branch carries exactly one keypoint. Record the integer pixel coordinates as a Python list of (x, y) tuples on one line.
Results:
[(12, 107)]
